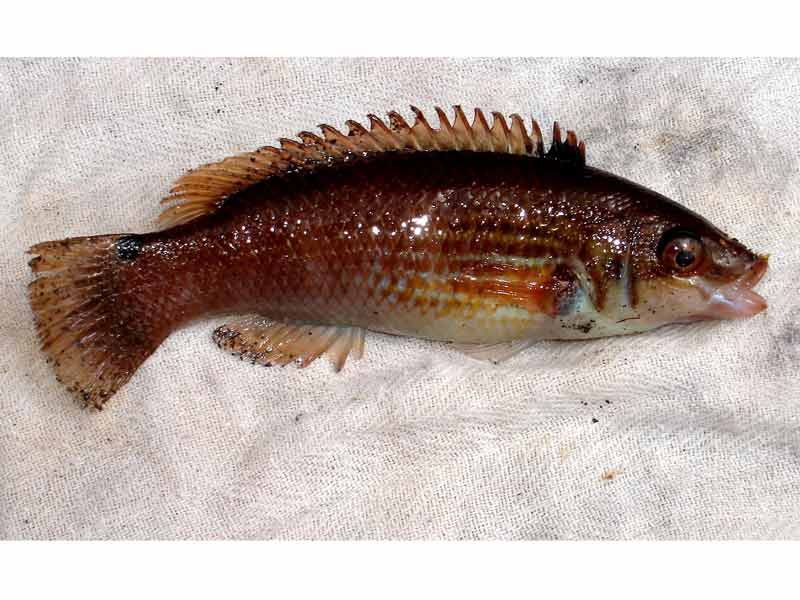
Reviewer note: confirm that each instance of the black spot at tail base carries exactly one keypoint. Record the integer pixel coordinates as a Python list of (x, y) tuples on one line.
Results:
[(128, 247)]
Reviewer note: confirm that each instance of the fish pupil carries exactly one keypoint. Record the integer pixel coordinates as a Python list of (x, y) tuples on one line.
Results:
[(684, 258)]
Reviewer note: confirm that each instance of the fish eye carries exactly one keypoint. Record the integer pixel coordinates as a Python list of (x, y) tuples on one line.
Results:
[(680, 251)]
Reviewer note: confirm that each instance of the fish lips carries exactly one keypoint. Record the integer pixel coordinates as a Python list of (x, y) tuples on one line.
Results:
[(737, 300)]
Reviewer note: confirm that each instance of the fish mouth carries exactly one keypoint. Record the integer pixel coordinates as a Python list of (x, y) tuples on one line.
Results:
[(737, 300)]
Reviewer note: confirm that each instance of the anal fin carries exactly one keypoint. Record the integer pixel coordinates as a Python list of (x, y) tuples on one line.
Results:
[(260, 340)]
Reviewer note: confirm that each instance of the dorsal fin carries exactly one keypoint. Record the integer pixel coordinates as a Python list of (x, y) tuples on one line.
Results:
[(203, 190)]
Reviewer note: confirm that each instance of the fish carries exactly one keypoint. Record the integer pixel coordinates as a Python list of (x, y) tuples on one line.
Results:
[(468, 233)]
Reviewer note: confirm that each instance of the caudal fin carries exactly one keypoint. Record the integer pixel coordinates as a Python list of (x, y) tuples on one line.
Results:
[(90, 325)]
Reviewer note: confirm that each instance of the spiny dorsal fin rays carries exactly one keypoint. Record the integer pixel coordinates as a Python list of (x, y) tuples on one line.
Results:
[(203, 190), (422, 132), (538, 140), (482, 133), (520, 142), (462, 131)]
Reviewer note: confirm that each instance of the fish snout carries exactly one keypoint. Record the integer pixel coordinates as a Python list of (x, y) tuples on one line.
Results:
[(737, 300)]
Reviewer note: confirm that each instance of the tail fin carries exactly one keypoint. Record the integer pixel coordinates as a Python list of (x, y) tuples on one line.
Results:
[(88, 320)]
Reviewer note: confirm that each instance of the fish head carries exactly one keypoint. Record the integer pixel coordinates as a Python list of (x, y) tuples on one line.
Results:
[(685, 269)]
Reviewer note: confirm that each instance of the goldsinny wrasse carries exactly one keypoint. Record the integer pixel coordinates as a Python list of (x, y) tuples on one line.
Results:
[(468, 233)]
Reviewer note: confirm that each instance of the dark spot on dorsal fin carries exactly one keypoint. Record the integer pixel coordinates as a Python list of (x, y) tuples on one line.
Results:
[(129, 247), (570, 151)]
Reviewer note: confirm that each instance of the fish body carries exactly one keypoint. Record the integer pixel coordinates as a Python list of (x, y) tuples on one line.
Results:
[(471, 235)]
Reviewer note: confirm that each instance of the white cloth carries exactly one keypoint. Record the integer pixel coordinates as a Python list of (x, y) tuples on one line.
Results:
[(686, 432)]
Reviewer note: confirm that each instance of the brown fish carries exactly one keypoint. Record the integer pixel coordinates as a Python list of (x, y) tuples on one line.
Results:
[(467, 233)]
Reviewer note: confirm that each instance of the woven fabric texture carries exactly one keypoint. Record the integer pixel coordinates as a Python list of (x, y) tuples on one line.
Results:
[(685, 432)]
